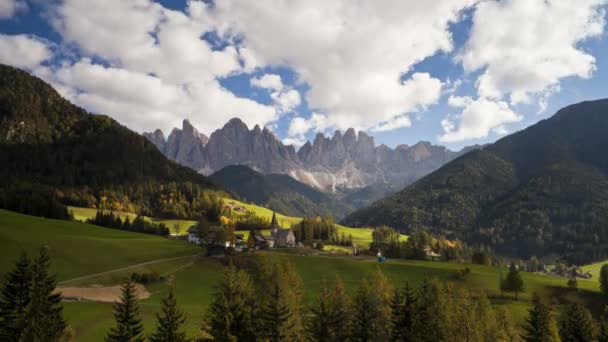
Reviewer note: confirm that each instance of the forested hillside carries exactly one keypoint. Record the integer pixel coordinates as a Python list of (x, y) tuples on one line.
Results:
[(54, 153), (543, 190), (280, 193)]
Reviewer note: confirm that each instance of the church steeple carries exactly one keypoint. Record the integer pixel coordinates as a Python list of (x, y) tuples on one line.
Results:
[(274, 224)]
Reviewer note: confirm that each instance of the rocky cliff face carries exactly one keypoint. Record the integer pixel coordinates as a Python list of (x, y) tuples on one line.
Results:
[(346, 160)]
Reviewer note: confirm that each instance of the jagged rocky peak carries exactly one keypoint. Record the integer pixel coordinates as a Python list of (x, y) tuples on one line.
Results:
[(157, 138), (349, 159)]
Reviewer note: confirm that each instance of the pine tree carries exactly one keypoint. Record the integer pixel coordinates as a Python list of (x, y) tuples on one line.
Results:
[(430, 318), (604, 279), (603, 327), (231, 313), (320, 325), (332, 316), (540, 325), (126, 313), (169, 324), (577, 325), (364, 313), (281, 311), (514, 282), (15, 297), (45, 312)]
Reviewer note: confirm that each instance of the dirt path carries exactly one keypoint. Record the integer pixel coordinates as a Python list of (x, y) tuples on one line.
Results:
[(106, 294), (126, 268)]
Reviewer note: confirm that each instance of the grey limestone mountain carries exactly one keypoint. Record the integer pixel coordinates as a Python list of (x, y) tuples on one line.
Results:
[(345, 161)]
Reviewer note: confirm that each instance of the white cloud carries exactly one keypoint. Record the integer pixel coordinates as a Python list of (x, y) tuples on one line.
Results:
[(23, 51), (268, 81), (286, 100), (299, 126), (160, 70), (477, 119), (296, 142), (396, 123), (8, 8), (352, 55), (525, 47)]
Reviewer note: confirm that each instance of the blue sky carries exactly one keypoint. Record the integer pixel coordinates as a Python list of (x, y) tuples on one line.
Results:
[(458, 74)]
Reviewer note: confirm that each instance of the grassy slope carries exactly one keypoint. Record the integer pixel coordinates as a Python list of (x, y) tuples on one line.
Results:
[(362, 236), (79, 249), (594, 269), (81, 214)]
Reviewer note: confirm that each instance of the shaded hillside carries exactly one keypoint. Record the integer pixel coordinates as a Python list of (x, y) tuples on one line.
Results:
[(542, 190), (279, 192), (51, 149)]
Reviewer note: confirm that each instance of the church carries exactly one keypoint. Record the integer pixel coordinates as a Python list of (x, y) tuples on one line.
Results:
[(281, 237)]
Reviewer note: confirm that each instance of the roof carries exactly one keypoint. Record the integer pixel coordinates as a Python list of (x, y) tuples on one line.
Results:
[(259, 238), (282, 233)]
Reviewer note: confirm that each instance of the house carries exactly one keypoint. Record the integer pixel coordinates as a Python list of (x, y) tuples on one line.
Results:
[(239, 239), (431, 255), (193, 236), (234, 207), (282, 237)]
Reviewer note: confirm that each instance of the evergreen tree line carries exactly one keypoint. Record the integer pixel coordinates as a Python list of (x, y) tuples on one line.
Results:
[(110, 220), (320, 229), (387, 240), (267, 305), (29, 308)]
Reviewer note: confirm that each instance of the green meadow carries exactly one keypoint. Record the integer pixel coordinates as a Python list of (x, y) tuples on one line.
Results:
[(361, 236), (81, 250)]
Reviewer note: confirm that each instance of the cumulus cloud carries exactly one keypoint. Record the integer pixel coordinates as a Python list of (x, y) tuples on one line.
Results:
[(23, 51), (268, 81), (477, 119), (284, 98), (396, 123), (160, 70), (528, 46), (352, 55), (8, 8), (523, 48)]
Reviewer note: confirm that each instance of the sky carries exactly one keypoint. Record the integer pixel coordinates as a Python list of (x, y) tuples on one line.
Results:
[(452, 72)]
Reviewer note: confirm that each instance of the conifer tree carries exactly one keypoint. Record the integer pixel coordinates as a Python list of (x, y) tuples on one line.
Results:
[(169, 324), (231, 313), (514, 282), (603, 327), (429, 323), (364, 312), (281, 312), (577, 325), (332, 316), (14, 299), (126, 313), (403, 311), (372, 312), (320, 325), (540, 325), (45, 312), (604, 279)]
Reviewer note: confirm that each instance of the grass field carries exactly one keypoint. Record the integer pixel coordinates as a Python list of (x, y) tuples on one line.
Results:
[(80, 249), (594, 269), (176, 226), (362, 236)]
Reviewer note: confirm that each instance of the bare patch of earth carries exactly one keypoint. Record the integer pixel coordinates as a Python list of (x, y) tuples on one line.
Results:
[(98, 293)]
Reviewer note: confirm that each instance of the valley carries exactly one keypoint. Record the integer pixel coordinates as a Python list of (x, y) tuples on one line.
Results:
[(94, 249)]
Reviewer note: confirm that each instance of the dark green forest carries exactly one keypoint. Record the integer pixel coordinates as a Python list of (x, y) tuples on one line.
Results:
[(541, 191), (280, 193), (55, 153)]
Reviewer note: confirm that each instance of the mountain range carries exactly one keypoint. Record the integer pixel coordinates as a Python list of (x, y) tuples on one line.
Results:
[(541, 191), (345, 161)]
